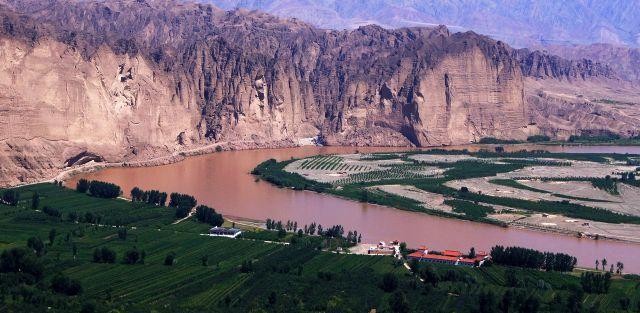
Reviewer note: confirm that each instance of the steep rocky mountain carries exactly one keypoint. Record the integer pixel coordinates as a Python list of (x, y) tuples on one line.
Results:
[(130, 80), (518, 22), (625, 61), (540, 64)]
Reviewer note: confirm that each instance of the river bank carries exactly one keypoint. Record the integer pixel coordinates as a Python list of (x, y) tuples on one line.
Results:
[(223, 181), (220, 147), (178, 156)]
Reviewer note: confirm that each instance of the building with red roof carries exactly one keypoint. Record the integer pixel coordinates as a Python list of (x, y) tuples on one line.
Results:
[(451, 257), (453, 253)]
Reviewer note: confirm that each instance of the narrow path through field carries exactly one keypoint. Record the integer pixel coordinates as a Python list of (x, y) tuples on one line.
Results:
[(193, 211)]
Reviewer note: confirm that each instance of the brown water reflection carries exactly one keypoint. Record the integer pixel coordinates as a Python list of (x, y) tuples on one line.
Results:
[(222, 180)]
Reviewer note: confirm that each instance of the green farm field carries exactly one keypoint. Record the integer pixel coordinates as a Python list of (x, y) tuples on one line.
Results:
[(211, 274)]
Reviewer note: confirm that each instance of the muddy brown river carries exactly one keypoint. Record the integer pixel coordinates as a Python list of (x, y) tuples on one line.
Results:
[(222, 181)]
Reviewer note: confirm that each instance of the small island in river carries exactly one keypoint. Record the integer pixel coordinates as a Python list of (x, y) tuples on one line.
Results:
[(593, 195)]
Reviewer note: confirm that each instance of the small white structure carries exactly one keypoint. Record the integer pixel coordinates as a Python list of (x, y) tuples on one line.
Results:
[(385, 249), (224, 232)]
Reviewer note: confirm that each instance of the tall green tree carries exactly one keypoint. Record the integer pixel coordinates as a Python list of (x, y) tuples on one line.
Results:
[(132, 256), (11, 197), (205, 214), (82, 185), (21, 260), (36, 245), (398, 303), (136, 194), (65, 285), (35, 200), (104, 190), (389, 282), (122, 233), (52, 236), (169, 260)]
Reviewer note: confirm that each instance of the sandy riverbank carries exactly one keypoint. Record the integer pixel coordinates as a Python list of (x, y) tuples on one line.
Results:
[(66, 173)]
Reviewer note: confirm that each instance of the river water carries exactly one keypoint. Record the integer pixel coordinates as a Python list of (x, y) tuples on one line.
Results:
[(222, 181)]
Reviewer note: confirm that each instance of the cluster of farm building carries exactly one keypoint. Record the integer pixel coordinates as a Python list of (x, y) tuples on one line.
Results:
[(423, 254)]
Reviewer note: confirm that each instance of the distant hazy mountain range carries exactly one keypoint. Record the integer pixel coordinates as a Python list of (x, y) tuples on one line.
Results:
[(518, 22)]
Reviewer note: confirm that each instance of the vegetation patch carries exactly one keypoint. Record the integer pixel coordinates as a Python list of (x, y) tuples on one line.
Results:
[(529, 258), (515, 184), (273, 172), (565, 208), (382, 157), (532, 154), (538, 138), (607, 184), (473, 169), (494, 141), (150, 264), (607, 139), (470, 209)]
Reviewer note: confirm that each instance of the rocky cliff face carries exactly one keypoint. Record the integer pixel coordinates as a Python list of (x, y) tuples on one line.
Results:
[(560, 117), (623, 60), (538, 64), (55, 101), (127, 80)]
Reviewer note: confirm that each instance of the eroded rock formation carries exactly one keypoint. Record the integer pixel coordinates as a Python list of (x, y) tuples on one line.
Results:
[(126, 80)]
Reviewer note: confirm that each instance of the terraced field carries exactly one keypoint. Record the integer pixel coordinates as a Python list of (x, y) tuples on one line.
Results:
[(330, 163), (351, 169)]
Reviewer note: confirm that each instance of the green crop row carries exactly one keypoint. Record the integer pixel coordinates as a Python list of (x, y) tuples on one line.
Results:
[(242, 275)]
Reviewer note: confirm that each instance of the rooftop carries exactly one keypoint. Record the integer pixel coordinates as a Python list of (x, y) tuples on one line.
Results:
[(447, 255), (224, 230), (452, 253)]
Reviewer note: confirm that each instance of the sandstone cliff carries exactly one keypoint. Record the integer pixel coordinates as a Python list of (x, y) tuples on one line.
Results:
[(538, 64), (127, 80), (624, 60)]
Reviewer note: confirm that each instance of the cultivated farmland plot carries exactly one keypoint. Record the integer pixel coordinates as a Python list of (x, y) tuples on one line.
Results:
[(350, 169), (189, 284), (496, 180)]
